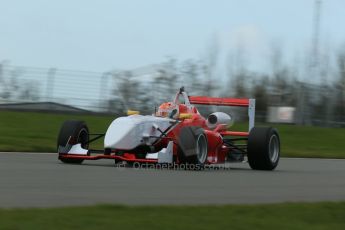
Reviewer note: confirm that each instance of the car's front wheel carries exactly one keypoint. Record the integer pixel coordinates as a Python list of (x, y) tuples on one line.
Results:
[(73, 132)]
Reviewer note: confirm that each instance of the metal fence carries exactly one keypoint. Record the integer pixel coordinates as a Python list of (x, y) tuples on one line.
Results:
[(82, 89), (145, 88), (92, 91)]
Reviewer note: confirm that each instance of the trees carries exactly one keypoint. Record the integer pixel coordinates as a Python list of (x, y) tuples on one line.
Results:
[(340, 86), (12, 88), (166, 80), (124, 93)]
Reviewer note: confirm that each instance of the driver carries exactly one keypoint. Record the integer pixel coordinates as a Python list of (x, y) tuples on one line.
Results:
[(169, 110)]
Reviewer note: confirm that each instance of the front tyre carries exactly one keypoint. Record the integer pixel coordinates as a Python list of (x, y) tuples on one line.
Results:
[(73, 132), (263, 149), (193, 147)]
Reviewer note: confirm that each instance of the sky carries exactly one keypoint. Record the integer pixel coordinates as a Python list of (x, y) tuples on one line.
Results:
[(124, 34)]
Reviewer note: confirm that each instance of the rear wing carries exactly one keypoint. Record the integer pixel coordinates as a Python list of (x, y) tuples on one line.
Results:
[(238, 102)]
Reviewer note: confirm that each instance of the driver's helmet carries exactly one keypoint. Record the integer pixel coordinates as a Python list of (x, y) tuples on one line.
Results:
[(166, 110)]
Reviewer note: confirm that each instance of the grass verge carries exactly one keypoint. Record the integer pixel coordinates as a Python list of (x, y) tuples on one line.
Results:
[(304, 216), (37, 132)]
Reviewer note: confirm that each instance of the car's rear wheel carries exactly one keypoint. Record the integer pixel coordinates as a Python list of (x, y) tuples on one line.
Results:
[(263, 149), (192, 143), (73, 132)]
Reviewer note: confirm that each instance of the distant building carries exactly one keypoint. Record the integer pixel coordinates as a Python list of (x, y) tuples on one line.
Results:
[(42, 107)]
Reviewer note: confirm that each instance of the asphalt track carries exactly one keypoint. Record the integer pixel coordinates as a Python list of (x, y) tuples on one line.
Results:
[(40, 180)]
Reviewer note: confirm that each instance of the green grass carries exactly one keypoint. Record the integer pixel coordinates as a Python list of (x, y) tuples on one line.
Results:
[(307, 141), (289, 216), (37, 132), (24, 131), (301, 141)]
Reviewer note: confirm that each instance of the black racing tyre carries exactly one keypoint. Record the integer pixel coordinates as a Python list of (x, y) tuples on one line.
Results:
[(192, 146), (263, 149), (73, 132)]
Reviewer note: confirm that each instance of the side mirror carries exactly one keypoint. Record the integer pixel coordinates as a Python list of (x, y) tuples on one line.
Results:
[(155, 126)]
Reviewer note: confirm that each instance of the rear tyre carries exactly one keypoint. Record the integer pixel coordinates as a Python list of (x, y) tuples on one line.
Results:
[(192, 146), (263, 149), (73, 132)]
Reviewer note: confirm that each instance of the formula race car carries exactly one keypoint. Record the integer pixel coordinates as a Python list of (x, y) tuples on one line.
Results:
[(175, 134)]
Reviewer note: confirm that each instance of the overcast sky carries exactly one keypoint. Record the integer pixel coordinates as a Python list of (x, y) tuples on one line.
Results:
[(101, 35)]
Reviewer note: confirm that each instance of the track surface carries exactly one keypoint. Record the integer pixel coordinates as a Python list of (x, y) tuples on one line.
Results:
[(40, 180)]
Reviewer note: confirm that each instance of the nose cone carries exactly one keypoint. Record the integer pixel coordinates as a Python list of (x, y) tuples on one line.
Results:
[(126, 133), (120, 134)]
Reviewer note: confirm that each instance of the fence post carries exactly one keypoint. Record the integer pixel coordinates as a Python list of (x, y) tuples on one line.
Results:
[(50, 84), (104, 88)]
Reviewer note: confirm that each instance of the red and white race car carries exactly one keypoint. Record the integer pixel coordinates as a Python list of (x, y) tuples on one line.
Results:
[(176, 134)]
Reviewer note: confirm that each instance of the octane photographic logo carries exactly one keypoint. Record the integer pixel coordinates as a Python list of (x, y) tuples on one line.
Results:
[(173, 166)]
